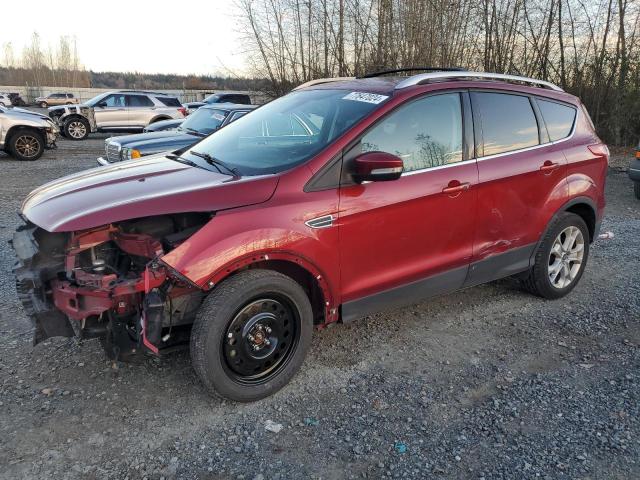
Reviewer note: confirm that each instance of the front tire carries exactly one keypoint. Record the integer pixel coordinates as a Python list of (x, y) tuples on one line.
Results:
[(43, 105), (251, 335), (76, 128), (636, 189), (26, 144), (561, 258)]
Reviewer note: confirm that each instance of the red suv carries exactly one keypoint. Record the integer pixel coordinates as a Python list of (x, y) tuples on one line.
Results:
[(340, 199)]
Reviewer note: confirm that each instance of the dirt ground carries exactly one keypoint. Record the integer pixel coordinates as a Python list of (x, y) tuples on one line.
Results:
[(489, 382)]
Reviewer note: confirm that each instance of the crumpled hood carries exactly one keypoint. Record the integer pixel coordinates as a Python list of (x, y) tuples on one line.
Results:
[(154, 185), (156, 142), (22, 113)]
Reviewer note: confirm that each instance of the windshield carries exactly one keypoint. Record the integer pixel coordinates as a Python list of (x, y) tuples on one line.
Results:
[(204, 120), (287, 131), (94, 101)]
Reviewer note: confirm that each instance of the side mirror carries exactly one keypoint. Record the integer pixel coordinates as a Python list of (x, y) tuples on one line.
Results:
[(102, 104), (376, 167)]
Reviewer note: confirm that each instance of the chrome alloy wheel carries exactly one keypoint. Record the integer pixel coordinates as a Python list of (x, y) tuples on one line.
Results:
[(27, 145), (77, 129), (565, 258)]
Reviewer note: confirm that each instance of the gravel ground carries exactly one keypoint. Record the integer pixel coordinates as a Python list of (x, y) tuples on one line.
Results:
[(487, 383)]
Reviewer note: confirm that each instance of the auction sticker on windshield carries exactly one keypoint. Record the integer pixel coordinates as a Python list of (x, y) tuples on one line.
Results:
[(365, 97)]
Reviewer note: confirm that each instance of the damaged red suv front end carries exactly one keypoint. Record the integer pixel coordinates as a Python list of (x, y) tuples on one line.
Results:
[(101, 274)]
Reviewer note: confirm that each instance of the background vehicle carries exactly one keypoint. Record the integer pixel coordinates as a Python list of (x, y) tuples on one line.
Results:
[(16, 100), (25, 134), (56, 99), (238, 98), (206, 120), (340, 199), (5, 100), (163, 125), (122, 110), (634, 173)]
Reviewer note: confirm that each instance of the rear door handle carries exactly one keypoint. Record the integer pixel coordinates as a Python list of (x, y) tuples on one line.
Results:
[(459, 187), (549, 166)]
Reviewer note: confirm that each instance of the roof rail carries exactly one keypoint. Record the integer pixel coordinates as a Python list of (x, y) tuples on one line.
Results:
[(423, 78), (147, 92), (413, 69), (319, 81)]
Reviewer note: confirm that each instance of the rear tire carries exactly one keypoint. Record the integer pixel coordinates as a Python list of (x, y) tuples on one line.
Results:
[(560, 259), (251, 335), (76, 128), (636, 189), (26, 144)]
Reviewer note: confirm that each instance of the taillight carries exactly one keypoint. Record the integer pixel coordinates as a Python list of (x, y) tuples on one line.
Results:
[(183, 111), (638, 154), (600, 150)]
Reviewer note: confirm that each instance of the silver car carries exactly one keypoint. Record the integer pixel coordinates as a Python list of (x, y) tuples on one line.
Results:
[(25, 134), (119, 110)]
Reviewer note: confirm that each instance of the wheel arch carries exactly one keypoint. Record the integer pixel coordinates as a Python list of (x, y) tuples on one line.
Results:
[(586, 209), (70, 116), (17, 128), (159, 118), (582, 206), (300, 269)]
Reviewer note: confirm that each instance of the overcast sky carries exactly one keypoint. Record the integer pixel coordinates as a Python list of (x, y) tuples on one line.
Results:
[(133, 35)]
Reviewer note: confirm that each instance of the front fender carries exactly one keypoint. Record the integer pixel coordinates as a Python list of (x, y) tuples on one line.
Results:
[(236, 238)]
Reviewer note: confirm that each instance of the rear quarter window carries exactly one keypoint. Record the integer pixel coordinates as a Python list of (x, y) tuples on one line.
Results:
[(558, 118), (507, 122), (169, 101)]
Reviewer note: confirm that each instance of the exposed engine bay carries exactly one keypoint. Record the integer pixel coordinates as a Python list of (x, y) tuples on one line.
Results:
[(109, 282)]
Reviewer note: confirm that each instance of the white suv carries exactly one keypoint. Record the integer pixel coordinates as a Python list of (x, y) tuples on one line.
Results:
[(117, 110)]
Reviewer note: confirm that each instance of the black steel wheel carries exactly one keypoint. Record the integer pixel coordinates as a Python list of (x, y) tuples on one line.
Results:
[(26, 144), (251, 335), (260, 340)]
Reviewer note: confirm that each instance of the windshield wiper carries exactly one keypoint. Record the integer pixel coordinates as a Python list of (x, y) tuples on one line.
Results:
[(195, 132), (180, 159), (219, 164)]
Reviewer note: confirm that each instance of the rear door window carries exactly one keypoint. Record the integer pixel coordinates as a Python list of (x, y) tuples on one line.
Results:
[(507, 122), (139, 101), (558, 118)]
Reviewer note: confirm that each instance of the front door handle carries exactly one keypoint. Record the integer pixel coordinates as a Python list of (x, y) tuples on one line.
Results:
[(456, 187), (549, 166)]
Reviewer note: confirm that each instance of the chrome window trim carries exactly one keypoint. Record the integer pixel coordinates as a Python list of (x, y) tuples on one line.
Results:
[(511, 152)]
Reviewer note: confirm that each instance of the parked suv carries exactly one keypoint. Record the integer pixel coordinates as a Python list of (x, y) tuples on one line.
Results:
[(25, 134), (227, 97), (340, 199), (205, 121), (120, 110), (56, 99)]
